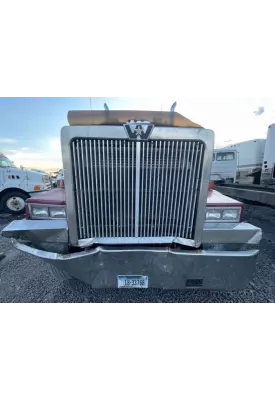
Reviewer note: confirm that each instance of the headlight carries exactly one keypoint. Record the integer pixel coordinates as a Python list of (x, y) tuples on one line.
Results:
[(57, 212), (223, 214), (45, 178), (213, 214), (45, 212), (39, 212), (231, 214)]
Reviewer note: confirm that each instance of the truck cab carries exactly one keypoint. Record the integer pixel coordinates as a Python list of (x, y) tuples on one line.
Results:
[(18, 184), (136, 209), (224, 166)]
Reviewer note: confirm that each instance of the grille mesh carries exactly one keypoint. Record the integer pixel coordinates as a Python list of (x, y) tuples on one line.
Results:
[(127, 188)]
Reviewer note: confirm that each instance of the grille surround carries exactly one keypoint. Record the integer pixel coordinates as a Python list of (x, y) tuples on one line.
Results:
[(143, 228)]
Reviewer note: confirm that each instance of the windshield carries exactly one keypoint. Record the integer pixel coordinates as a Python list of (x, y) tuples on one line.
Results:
[(228, 156), (5, 162)]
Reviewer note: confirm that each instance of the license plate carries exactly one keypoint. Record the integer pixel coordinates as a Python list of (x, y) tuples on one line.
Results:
[(132, 281)]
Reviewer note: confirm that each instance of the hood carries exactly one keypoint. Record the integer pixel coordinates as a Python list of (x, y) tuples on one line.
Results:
[(34, 175)]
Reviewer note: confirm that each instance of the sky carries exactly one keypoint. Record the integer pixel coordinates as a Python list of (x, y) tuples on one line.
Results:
[(30, 127), (213, 47)]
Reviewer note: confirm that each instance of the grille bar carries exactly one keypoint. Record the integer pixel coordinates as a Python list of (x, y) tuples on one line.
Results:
[(129, 189), (136, 194)]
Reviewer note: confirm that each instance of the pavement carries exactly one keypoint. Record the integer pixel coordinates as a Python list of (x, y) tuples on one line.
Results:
[(26, 279)]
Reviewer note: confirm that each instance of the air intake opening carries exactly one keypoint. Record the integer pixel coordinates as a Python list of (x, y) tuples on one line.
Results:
[(194, 282)]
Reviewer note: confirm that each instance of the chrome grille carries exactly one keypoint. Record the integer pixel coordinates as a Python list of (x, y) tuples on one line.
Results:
[(104, 186), (170, 181), (127, 188)]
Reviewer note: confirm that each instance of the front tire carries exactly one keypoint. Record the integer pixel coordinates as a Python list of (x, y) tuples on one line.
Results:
[(14, 202)]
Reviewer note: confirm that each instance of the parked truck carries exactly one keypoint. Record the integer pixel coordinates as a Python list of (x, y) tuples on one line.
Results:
[(136, 211), (18, 184), (224, 166)]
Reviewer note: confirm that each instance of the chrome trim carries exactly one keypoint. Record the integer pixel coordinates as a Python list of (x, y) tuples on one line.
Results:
[(50, 235), (154, 181), (120, 190), (128, 185), (149, 199), (169, 188), (186, 194), (80, 206), (118, 132), (133, 198), (89, 190), (83, 243), (113, 202), (25, 225), (167, 268), (196, 184), (98, 249), (117, 208), (137, 188), (176, 196), (108, 183), (135, 130), (231, 233), (213, 233), (95, 188), (165, 185), (161, 187)]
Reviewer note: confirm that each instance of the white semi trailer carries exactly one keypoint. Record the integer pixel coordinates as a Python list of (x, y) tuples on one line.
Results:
[(250, 160), (268, 166)]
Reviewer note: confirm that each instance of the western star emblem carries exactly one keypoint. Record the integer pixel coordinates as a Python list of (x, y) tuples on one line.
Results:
[(139, 129)]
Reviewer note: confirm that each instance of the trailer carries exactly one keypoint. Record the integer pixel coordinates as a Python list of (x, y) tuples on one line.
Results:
[(268, 166), (250, 160)]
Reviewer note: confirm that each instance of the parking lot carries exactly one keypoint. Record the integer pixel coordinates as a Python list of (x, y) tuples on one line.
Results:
[(26, 279)]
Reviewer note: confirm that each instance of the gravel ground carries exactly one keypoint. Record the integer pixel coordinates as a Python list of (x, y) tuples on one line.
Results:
[(26, 279)]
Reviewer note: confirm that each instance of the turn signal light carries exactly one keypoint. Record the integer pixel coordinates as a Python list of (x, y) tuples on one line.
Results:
[(211, 185)]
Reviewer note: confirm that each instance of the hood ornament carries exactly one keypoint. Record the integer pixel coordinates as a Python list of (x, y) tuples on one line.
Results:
[(140, 130)]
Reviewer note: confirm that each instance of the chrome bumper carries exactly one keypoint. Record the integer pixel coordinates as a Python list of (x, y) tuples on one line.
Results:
[(216, 267), (166, 268)]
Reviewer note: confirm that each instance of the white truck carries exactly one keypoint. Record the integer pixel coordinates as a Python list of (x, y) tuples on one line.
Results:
[(17, 185), (135, 209), (224, 166)]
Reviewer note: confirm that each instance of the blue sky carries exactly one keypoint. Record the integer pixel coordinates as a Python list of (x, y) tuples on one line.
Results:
[(30, 127)]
